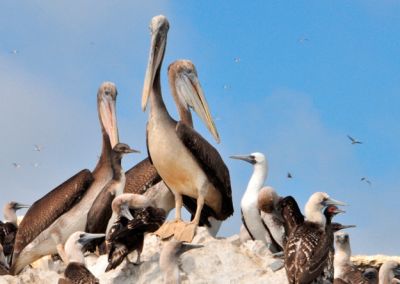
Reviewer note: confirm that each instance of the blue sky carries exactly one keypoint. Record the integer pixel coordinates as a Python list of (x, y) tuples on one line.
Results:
[(308, 74)]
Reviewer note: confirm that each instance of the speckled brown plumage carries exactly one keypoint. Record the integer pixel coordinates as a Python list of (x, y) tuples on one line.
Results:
[(141, 177), (77, 273)]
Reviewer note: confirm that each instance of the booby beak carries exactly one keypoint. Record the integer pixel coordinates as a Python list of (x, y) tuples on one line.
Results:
[(125, 212), (18, 206), (186, 247), (338, 211), (331, 201), (189, 89), (87, 237), (159, 28), (130, 150), (347, 226), (106, 99), (249, 158)]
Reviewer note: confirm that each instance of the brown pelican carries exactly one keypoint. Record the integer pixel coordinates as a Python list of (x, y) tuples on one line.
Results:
[(169, 258), (251, 216), (307, 246), (388, 271), (100, 212), (4, 268), (76, 271), (345, 271), (9, 228), (186, 162), (63, 211), (127, 234)]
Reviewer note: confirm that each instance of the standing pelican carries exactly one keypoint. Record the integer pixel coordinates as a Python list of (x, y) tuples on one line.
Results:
[(251, 216), (100, 212), (8, 229), (63, 211), (76, 271), (307, 247), (186, 162)]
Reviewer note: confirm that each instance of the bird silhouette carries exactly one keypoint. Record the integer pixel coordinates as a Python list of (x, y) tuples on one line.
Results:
[(353, 141)]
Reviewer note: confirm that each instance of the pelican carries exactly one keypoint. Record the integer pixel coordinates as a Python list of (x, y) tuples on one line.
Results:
[(63, 211), (169, 258), (186, 162), (76, 271), (345, 271), (100, 212), (127, 233), (307, 246), (9, 228), (388, 271)]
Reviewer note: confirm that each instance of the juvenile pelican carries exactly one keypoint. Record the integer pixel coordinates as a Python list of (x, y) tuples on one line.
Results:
[(100, 212), (345, 271), (63, 211), (307, 247), (9, 228), (186, 162), (76, 271), (169, 259)]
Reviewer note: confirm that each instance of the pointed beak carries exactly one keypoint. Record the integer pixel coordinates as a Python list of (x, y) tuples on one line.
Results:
[(331, 201), (130, 150), (87, 237), (20, 206), (159, 28), (189, 88), (125, 212), (338, 211), (248, 158), (188, 246), (107, 112), (348, 226)]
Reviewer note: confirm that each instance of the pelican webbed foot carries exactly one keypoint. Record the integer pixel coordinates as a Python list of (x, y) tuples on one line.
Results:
[(169, 228), (186, 233)]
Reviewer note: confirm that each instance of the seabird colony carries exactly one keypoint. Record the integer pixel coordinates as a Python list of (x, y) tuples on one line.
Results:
[(182, 169)]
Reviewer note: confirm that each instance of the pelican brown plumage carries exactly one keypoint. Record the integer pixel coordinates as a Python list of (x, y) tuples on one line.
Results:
[(186, 162), (63, 211)]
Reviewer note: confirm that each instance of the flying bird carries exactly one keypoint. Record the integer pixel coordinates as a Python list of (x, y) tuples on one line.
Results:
[(366, 180), (37, 148), (303, 39), (289, 175), (189, 165), (353, 141), (237, 59)]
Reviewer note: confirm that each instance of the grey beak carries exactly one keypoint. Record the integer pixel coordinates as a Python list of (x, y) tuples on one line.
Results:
[(248, 158)]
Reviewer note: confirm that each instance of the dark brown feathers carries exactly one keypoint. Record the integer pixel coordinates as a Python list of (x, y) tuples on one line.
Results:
[(51, 206), (211, 163), (352, 275), (291, 214), (8, 231), (141, 177), (77, 273), (127, 236)]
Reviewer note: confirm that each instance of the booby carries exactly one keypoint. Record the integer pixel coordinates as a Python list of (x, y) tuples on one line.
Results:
[(9, 228), (100, 212), (63, 211), (4, 268), (371, 274), (186, 162), (169, 259), (345, 271), (268, 203), (76, 271), (127, 233), (307, 246), (251, 216), (388, 271)]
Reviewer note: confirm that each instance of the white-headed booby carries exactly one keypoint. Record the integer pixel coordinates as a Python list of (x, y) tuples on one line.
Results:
[(388, 271)]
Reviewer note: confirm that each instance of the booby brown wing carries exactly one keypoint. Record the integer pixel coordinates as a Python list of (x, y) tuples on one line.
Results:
[(141, 177), (291, 214), (352, 275), (51, 206), (77, 273), (212, 164)]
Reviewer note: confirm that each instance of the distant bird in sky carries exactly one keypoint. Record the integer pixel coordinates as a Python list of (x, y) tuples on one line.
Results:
[(366, 180), (37, 147), (227, 87), (302, 39), (289, 175), (353, 141), (16, 165), (14, 51), (35, 165), (237, 59)]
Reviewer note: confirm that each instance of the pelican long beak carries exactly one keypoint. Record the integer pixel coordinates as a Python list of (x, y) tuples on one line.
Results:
[(248, 158), (331, 201), (125, 212), (20, 206), (87, 237), (106, 99), (189, 89), (159, 28)]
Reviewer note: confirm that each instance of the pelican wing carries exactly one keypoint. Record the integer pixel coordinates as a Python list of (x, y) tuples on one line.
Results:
[(51, 206), (291, 214), (141, 177), (211, 163), (78, 273)]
